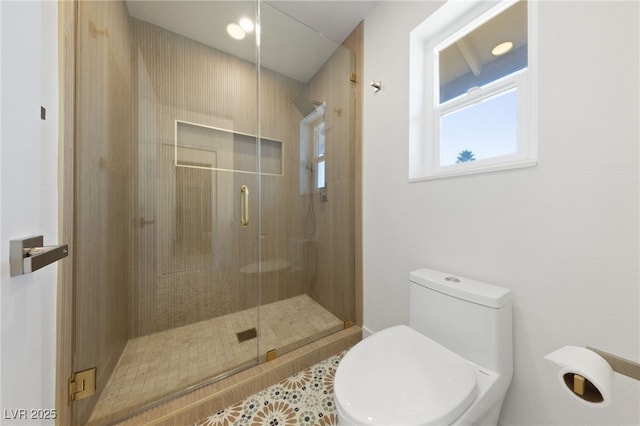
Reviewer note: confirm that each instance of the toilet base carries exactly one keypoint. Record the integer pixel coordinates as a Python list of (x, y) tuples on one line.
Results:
[(485, 410), (489, 419), (342, 420)]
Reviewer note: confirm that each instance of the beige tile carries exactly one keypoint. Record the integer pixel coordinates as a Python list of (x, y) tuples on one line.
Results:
[(155, 366)]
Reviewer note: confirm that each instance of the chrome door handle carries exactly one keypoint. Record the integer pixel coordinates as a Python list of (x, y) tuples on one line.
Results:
[(244, 202), (30, 254)]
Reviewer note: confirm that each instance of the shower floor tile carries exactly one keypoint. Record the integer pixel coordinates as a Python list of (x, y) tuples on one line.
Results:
[(161, 364), (304, 399)]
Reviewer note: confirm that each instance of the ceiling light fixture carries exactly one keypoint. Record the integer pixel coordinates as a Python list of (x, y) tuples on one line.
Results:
[(246, 24), (235, 31), (502, 48)]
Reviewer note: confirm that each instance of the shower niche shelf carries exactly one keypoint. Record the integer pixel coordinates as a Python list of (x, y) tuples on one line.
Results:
[(233, 151)]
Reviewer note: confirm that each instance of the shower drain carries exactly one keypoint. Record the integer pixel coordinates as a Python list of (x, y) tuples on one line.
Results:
[(245, 335)]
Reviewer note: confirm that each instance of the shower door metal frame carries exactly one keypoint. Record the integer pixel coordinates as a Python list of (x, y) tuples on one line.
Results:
[(67, 11)]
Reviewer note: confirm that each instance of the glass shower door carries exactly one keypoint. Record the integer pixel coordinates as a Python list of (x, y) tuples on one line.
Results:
[(167, 200), (198, 195)]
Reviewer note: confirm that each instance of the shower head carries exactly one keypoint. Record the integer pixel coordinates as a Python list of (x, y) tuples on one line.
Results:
[(304, 105)]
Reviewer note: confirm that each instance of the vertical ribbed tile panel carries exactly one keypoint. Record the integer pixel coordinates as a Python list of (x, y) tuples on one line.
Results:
[(104, 177), (355, 43), (333, 284), (178, 284), (191, 246), (160, 246)]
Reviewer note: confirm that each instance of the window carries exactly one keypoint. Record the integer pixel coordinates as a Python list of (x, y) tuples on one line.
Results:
[(471, 99), (319, 160), (312, 151)]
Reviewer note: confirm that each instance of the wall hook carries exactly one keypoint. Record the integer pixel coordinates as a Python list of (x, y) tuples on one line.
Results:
[(377, 85)]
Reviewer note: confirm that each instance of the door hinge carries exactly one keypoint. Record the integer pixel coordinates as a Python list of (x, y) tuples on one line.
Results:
[(353, 77), (271, 355), (82, 384)]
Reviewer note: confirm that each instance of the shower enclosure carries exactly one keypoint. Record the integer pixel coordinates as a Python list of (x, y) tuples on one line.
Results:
[(214, 195)]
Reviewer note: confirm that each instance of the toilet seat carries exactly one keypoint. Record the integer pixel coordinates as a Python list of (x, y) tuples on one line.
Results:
[(408, 379)]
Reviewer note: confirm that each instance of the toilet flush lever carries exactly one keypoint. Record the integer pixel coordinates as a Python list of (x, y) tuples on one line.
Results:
[(30, 254), (452, 279)]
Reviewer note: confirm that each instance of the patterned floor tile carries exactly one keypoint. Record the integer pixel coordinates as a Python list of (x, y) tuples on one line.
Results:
[(304, 399)]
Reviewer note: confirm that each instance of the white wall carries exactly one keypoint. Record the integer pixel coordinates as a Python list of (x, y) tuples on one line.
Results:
[(563, 235), (29, 202)]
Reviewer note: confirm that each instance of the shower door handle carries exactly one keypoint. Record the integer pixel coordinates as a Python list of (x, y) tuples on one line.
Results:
[(244, 210)]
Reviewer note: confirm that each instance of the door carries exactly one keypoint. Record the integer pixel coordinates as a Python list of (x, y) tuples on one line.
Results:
[(29, 206)]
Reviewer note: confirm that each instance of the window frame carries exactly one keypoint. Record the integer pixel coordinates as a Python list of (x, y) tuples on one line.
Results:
[(425, 144), (319, 128), (309, 158)]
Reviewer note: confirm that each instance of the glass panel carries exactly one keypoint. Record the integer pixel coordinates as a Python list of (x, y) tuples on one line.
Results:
[(196, 250), (167, 287), (481, 130), (493, 50), (104, 199), (197, 109), (308, 282)]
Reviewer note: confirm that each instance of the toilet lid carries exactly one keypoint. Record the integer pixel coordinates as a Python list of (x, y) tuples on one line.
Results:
[(401, 377)]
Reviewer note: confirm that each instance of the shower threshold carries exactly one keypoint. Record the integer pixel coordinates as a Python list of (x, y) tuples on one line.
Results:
[(162, 365)]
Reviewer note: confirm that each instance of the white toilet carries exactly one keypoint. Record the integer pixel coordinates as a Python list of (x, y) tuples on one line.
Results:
[(451, 366)]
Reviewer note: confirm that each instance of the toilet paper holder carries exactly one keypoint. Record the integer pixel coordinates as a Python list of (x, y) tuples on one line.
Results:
[(588, 372), (583, 387), (619, 365)]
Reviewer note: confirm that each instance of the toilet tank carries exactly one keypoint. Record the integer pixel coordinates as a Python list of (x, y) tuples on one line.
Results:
[(470, 317)]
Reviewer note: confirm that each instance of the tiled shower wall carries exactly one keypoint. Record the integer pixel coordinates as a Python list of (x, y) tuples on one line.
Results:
[(104, 174), (181, 79), (198, 276), (133, 81), (333, 286)]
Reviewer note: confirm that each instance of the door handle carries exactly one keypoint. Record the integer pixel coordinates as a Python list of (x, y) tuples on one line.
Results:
[(244, 203), (142, 222), (30, 254)]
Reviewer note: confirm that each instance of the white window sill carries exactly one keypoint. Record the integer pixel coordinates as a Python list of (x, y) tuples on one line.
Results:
[(474, 170)]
